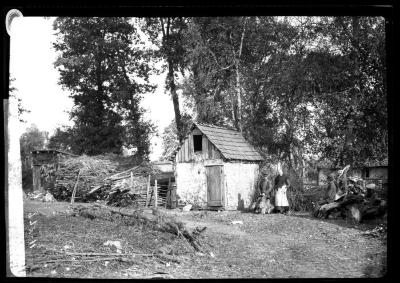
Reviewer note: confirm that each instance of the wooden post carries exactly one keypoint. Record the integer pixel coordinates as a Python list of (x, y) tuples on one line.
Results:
[(36, 177), (147, 192), (131, 180), (168, 198), (76, 185), (155, 193)]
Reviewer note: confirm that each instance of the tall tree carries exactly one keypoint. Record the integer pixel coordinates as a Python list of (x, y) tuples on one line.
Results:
[(106, 76), (167, 34), (311, 86), (363, 129), (215, 49)]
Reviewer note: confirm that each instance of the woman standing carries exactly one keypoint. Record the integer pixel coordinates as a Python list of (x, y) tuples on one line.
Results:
[(282, 183)]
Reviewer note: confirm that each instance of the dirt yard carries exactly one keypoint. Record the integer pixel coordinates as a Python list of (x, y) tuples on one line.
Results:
[(264, 246)]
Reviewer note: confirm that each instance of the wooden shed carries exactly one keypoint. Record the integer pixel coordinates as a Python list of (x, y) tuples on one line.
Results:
[(216, 167)]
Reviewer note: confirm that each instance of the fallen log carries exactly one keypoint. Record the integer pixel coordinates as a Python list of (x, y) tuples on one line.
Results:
[(348, 205), (157, 220), (356, 207)]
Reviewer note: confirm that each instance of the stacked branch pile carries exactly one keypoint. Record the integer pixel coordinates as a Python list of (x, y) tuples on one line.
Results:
[(130, 187), (91, 178), (91, 172), (94, 178)]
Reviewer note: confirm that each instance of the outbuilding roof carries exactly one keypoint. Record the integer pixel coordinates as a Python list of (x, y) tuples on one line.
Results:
[(36, 151), (230, 143)]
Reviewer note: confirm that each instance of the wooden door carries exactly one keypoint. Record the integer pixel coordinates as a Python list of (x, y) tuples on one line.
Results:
[(214, 185)]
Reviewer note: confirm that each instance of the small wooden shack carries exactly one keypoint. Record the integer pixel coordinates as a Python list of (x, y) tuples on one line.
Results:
[(42, 157), (216, 167)]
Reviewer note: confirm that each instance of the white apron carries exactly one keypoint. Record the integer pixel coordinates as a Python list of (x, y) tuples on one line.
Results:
[(280, 197)]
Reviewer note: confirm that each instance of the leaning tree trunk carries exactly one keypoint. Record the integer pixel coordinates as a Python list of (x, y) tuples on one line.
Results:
[(238, 121), (170, 76), (175, 99)]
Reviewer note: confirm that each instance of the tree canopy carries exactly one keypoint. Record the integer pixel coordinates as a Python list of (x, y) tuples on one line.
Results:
[(302, 88), (105, 70), (298, 88)]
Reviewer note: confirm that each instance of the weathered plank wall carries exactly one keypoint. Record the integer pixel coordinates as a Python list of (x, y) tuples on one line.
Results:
[(44, 158), (186, 152), (379, 173), (36, 177), (240, 184)]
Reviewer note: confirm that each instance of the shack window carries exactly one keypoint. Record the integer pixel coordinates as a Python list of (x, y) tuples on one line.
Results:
[(197, 143)]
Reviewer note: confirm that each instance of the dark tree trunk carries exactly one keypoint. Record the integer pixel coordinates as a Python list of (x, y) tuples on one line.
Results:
[(175, 99)]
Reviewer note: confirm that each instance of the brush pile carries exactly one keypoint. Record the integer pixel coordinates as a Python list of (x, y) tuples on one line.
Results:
[(97, 178), (93, 170), (130, 187), (349, 197)]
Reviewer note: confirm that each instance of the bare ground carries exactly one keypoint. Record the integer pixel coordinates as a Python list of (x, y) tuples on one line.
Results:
[(264, 246)]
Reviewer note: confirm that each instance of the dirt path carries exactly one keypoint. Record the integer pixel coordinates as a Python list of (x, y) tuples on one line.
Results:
[(284, 246), (264, 246)]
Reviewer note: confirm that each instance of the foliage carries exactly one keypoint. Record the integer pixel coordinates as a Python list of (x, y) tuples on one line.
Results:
[(310, 87), (170, 135), (12, 93), (106, 76), (63, 139), (167, 35)]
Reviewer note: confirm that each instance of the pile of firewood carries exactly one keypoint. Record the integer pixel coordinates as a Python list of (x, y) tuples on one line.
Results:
[(130, 187), (349, 197)]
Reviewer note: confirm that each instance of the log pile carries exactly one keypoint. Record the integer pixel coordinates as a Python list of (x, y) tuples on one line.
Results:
[(349, 197)]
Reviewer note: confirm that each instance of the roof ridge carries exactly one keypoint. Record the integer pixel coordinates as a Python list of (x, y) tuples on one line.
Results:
[(217, 127)]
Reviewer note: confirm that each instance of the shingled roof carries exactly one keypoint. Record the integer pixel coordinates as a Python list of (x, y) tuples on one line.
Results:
[(230, 143)]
